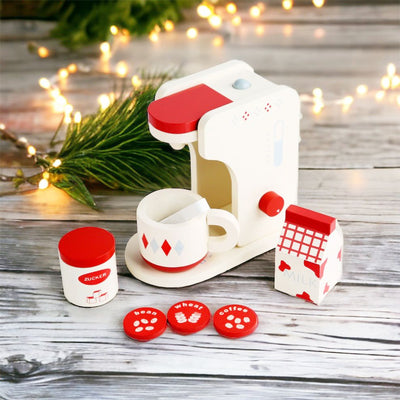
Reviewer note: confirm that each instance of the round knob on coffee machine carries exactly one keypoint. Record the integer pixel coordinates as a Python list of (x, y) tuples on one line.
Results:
[(271, 203)]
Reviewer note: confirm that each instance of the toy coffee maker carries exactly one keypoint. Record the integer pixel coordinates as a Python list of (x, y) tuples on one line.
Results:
[(243, 134)]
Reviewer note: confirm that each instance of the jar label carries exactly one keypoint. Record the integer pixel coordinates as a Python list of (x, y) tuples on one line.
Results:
[(95, 277)]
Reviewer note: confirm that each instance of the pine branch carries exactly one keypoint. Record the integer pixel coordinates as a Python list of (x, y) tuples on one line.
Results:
[(114, 147), (83, 22)]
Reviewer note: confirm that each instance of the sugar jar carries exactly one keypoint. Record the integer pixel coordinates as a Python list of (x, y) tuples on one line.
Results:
[(88, 266)]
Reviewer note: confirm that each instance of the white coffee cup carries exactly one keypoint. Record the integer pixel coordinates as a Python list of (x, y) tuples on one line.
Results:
[(173, 229)]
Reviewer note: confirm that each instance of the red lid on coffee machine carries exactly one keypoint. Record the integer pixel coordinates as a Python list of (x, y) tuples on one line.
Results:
[(180, 112)]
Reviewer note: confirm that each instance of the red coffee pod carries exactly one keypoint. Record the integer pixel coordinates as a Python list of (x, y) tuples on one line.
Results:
[(145, 323), (235, 321), (188, 317)]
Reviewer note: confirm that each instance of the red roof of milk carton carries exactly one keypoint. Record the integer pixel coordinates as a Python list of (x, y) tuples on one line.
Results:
[(310, 219), (305, 232)]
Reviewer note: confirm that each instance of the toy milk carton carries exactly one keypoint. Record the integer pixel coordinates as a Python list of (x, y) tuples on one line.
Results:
[(308, 257)]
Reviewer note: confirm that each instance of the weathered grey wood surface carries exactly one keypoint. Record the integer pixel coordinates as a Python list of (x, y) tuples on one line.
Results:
[(350, 168)]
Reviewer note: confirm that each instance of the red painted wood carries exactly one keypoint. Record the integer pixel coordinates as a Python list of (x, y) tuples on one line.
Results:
[(174, 269), (283, 266), (189, 316), (86, 247), (271, 203), (180, 112), (310, 219), (235, 321)]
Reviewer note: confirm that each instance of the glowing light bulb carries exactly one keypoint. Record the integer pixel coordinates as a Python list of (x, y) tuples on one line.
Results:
[(68, 108), (121, 69), (67, 119), (319, 33), (136, 81), (22, 140), (153, 37), (236, 21), (385, 82), (104, 101), (287, 30), (169, 26), (2, 126), (43, 184), (59, 104), (255, 11), (346, 103), (192, 33), (114, 30), (317, 108), (57, 163), (31, 150), (287, 4), (215, 21), (218, 41), (63, 73), (317, 92), (77, 117), (43, 52), (204, 10), (44, 83), (380, 95), (348, 100), (362, 90), (72, 68), (124, 37), (55, 93), (105, 48), (391, 70), (231, 8), (318, 3), (261, 6), (46, 175), (395, 82), (260, 30)]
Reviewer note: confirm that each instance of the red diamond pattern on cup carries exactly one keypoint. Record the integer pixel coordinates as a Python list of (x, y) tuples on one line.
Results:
[(145, 241), (166, 247)]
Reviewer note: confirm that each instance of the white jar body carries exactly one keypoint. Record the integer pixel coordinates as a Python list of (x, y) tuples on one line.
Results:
[(90, 286)]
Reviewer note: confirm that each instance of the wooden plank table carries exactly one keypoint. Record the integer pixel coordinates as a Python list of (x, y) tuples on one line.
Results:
[(350, 168)]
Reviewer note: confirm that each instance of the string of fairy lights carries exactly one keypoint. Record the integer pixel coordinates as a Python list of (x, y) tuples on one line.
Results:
[(216, 17)]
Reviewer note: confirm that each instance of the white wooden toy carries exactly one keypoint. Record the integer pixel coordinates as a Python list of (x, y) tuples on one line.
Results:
[(173, 229), (88, 266), (308, 257), (243, 135)]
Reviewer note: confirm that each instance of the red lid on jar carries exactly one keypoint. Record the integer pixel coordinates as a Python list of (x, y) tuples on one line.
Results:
[(86, 247)]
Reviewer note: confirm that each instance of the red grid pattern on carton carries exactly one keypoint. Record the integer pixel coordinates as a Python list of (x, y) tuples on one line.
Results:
[(304, 242)]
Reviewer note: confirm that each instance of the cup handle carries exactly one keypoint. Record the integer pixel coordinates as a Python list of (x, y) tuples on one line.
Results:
[(226, 220)]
